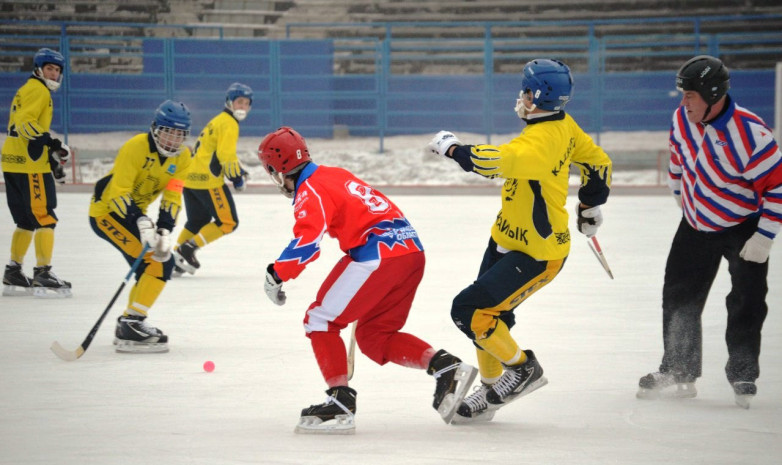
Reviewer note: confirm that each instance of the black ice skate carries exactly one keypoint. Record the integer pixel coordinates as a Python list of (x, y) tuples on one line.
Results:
[(655, 386), (15, 282), (454, 378), (474, 408), (133, 335), (517, 381), (46, 284), (335, 416), (185, 256), (744, 392)]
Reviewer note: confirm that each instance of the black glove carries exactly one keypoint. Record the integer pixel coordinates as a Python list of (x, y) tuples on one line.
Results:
[(60, 151), (57, 170)]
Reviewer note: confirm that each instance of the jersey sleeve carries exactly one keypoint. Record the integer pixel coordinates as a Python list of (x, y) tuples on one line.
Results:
[(29, 104), (226, 149), (675, 160), (310, 212), (595, 168), (119, 198)]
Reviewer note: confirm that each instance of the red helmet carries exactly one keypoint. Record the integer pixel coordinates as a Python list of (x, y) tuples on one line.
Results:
[(282, 151)]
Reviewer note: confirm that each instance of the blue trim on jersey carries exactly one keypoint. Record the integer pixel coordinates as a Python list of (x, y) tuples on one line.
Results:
[(301, 253), (390, 233)]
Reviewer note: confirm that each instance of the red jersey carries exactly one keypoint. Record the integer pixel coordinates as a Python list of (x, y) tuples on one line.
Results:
[(366, 223)]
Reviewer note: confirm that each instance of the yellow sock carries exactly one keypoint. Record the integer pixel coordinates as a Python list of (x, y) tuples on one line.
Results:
[(183, 236), (209, 233), (502, 346), (20, 242), (144, 294), (490, 368), (44, 245)]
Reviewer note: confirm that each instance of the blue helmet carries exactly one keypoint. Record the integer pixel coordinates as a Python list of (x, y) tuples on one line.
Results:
[(236, 90), (45, 56), (550, 82), (170, 127)]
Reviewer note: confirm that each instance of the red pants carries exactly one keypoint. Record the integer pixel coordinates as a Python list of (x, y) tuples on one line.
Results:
[(378, 295)]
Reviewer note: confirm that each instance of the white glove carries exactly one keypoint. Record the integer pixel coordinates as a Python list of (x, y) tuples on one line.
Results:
[(757, 248), (147, 231), (589, 219), (442, 142), (273, 286), (162, 251)]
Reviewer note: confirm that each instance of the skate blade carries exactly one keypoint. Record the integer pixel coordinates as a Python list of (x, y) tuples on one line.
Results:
[(182, 263), (465, 375), (743, 400), (9, 290), (482, 417), (51, 293), (341, 424), (682, 391), (136, 347)]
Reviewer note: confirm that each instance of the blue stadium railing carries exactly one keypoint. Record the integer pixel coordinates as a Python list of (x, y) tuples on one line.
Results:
[(370, 86)]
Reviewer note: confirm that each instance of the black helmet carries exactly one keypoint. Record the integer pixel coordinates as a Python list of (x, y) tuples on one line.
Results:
[(705, 75)]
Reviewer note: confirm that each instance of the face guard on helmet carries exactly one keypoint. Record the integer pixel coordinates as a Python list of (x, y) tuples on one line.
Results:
[(170, 127), (45, 56), (705, 75), (550, 84), (283, 153), (235, 91)]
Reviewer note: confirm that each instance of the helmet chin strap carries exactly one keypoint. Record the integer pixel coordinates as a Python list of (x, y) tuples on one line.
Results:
[(706, 113)]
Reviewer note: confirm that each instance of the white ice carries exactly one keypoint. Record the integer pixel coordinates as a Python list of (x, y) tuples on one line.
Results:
[(593, 336)]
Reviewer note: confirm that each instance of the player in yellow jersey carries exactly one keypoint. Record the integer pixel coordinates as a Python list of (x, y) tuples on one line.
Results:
[(211, 212), (31, 160), (149, 165), (530, 239)]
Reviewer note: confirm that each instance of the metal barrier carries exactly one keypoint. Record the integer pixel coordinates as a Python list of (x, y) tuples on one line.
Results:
[(380, 86)]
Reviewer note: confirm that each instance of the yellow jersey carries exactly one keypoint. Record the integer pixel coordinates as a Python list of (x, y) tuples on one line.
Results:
[(139, 176), (215, 154), (26, 149), (535, 166)]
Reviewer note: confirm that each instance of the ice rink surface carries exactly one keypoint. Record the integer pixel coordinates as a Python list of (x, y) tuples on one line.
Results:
[(594, 338)]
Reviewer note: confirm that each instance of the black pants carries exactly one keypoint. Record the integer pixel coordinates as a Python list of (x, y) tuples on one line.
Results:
[(692, 265)]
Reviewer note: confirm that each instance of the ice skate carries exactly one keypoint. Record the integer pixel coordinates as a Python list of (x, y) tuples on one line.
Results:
[(454, 378), (133, 335), (744, 391), (177, 272), (517, 381), (474, 408), (15, 282), (655, 386), (46, 284), (185, 256), (335, 416)]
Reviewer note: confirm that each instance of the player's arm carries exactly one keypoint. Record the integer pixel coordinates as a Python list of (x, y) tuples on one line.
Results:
[(28, 105), (123, 179), (227, 137), (307, 234)]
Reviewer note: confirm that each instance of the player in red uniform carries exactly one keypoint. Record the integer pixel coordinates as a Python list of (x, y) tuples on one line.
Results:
[(373, 284)]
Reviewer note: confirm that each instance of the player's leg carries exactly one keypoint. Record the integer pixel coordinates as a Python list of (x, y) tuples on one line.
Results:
[(45, 282), (15, 281), (691, 267), (133, 333), (478, 311), (747, 310), (214, 217)]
